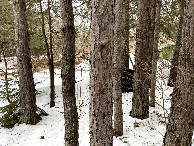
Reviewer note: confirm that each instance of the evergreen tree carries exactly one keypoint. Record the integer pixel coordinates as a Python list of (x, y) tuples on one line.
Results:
[(173, 71), (140, 100), (6, 29), (120, 59), (179, 129), (155, 53), (101, 47), (68, 74), (151, 21), (26, 83)]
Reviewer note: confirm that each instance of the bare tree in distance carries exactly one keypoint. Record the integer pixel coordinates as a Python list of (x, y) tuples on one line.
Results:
[(48, 47)]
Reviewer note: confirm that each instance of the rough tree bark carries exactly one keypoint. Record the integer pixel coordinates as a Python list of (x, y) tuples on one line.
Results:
[(26, 83), (140, 100), (180, 127), (120, 59), (173, 71), (49, 53), (101, 45), (68, 74), (155, 53)]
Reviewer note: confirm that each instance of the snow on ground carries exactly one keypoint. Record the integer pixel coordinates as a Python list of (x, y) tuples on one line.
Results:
[(148, 132), (12, 61), (11, 66)]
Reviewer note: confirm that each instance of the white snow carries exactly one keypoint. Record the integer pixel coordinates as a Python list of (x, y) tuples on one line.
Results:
[(149, 132), (11, 66)]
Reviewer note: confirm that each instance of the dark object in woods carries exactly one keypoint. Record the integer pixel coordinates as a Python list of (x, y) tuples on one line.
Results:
[(127, 80)]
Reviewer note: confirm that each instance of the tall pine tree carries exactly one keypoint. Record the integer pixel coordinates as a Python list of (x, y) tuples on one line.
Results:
[(180, 128), (173, 70), (120, 59), (26, 83), (140, 100), (101, 46), (68, 74), (155, 52)]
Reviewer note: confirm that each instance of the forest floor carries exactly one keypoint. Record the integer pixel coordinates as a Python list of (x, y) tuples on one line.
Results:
[(148, 132)]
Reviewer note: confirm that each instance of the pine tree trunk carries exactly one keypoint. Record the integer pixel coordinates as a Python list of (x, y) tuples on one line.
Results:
[(140, 100), (101, 43), (125, 33), (173, 71), (120, 59), (51, 64), (26, 83), (155, 53), (152, 17), (180, 127), (68, 74)]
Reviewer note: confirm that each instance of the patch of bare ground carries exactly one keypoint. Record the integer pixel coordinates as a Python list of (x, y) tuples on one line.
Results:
[(42, 64), (39, 64)]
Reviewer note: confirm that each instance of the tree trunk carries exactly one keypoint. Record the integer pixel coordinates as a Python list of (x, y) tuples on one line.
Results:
[(120, 59), (125, 44), (51, 65), (6, 78), (152, 17), (101, 43), (180, 127), (68, 74), (155, 53), (173, 71), (26, 83), (140, 100), (49, 53)]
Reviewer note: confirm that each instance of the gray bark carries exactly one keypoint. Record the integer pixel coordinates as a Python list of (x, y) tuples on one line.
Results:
[(68, 74), (140, 100), (101, 46), (180, 127), (26, 82)]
